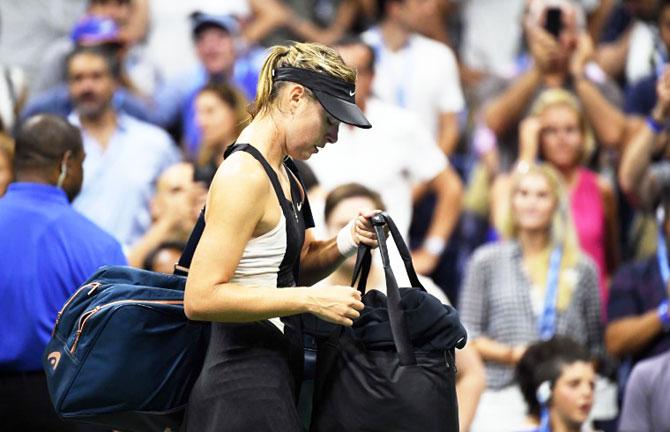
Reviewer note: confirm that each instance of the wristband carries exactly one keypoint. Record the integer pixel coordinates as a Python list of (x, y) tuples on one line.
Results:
[(663, 315), (345, 240), (654, 125), (434, 245)]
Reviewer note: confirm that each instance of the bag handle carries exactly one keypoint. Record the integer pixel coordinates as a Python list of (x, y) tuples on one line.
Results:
[(362, 268), (364, 253), (396, 315), (181, 268), (404, 252)]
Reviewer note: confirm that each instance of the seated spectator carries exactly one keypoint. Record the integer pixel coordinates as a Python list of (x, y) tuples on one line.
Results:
[(530, 287), (107, 22), (220, 114), (645, 407), (214, 37), (412, 160), (50, 250), (6, 165), (558, 133), (164, 257), (344, 202), (175, 208), (57, 100), (124, 156), (638, 322), (557, 380)]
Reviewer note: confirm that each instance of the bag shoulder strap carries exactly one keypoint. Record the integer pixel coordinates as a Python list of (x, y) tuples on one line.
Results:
[(181, 268), (274, 179)]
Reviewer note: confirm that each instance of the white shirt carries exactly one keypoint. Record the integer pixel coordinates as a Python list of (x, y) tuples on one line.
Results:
[(389, 158), (491, 34), (119, 181), (422, 76)]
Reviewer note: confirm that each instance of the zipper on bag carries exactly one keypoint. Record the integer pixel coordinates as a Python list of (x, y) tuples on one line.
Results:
[(88, 314), (91, 288)]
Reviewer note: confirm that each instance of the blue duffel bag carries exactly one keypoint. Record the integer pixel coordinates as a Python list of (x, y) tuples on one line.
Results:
[(122, 353)]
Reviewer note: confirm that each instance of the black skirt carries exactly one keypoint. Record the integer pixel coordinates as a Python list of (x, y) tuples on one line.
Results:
[(249, 381)]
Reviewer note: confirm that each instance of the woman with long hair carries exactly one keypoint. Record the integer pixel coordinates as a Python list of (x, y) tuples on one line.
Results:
[(258, 255), (531, 286), (221, 114), (557, 132)]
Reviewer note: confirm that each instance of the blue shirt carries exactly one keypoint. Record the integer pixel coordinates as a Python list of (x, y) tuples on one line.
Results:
[(638, 288), (57, 101), (119, 181), (175, 102), (641, 96), (48, 250)]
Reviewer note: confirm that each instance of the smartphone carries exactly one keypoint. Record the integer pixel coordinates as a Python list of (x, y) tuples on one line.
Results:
[(553, 21)]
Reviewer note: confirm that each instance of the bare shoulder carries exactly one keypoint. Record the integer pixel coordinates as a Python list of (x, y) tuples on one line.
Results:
[(240, 184)]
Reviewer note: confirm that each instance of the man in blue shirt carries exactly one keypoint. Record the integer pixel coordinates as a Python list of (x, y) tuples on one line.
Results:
[(124, 156), (214, 40), (48, 250)]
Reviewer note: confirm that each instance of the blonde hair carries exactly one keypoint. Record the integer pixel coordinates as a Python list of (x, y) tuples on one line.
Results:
[(310, 56), (561, 234), (558, 97)]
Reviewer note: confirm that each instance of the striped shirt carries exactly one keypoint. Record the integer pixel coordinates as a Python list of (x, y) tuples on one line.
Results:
[(496, 303)]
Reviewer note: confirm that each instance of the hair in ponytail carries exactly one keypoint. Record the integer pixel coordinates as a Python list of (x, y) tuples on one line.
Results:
[(311, 56)]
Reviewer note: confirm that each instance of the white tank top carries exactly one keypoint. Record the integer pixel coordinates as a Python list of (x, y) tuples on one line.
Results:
[(261, 258)]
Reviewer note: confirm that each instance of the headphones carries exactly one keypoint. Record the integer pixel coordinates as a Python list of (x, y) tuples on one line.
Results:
[(63, 169), (543, 393), (660, 214)]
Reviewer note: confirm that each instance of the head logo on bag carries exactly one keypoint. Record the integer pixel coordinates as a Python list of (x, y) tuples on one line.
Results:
[(54, 358)]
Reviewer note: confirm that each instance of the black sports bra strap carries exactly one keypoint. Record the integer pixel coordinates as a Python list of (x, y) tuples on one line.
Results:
[(253, 151)]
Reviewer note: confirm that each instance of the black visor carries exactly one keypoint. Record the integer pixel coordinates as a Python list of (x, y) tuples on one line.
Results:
[(335, 95)]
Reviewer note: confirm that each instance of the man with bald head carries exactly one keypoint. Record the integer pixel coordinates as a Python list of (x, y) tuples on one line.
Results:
[(174, 211), (48, 251)]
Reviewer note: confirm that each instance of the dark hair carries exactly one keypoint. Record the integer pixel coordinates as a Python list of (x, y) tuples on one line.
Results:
[(42, 140), (353, 40), (232, 97), (108, 52), (150, 260), (350, 190), (224, 91), (544, 361), (381, 8), (662, 5)]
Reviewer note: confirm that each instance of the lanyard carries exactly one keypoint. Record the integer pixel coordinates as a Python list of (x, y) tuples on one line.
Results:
[(548, 319), (662, 256), (399, 81), (544, 420)]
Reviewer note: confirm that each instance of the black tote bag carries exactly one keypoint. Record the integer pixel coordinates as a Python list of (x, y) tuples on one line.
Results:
[(394, 369)]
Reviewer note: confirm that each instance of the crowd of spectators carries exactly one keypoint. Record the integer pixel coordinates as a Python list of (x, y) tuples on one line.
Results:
[(520, 145)]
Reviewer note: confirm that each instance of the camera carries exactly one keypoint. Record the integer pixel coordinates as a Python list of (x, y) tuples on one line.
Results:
[(554, 21)]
